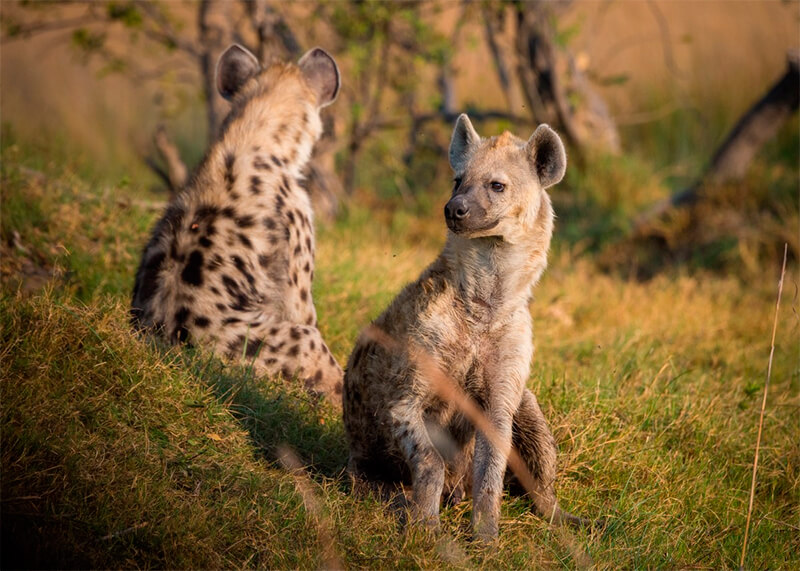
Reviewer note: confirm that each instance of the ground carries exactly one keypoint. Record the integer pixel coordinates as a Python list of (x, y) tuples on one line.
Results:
[(116, 453)]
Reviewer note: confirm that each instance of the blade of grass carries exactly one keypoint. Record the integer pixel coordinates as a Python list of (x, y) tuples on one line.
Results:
[(763, 406)]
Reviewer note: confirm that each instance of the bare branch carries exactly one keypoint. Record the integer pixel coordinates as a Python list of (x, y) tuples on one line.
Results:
[(666, 42), (731, 160), (25, 31), (165, 33), (176, 169)]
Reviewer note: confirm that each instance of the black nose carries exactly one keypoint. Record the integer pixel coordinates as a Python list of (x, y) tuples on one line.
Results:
[(456, 208)]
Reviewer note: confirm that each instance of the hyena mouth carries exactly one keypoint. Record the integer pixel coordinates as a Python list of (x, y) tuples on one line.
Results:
[(468, 226)]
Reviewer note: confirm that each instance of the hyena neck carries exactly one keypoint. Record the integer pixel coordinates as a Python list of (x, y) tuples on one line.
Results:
[(491, 274), (270, 136)]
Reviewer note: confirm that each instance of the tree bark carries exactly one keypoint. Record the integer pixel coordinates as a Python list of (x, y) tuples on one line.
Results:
[(732, 159)]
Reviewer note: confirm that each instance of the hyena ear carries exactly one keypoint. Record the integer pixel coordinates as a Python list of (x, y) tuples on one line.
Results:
[(547, 155), (235, 66), (322, 74), (462, 143)]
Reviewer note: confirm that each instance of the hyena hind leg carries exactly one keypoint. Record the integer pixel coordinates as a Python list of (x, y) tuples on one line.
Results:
[(537, 447), (292, 350)]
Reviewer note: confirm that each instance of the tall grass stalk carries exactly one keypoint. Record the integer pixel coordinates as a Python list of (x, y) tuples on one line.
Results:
[(763, 406)]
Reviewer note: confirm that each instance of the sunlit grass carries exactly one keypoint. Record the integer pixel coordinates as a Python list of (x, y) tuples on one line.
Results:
[(117, 453)]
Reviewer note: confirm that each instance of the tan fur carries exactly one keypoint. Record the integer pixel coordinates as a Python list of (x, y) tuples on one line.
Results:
[(469, 312), (230, 264)]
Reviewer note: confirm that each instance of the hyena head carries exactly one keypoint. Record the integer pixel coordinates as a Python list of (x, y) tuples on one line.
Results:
[(240, 78), (500, 182)]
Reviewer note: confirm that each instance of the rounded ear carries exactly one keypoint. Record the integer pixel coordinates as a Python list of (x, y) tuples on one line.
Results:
[(462, 143), (322, 74), (547, 155), (235, 66)]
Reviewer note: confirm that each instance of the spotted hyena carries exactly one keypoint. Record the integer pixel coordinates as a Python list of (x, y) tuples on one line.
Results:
[(229, 265), (468, 314)]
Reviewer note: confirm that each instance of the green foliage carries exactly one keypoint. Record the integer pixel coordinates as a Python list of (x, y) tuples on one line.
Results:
[(88, 41), (125, 12)]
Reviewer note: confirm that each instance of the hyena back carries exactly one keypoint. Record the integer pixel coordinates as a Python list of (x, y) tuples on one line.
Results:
[(467, 313), (230, 264)]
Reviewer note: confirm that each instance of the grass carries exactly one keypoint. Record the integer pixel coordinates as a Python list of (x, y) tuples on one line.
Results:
[(116, 453)]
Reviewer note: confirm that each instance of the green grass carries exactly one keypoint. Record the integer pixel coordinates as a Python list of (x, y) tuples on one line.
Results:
[(117, 453)]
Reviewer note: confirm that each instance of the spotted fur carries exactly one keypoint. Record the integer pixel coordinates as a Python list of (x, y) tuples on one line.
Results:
[(229, 266), (469, 313)]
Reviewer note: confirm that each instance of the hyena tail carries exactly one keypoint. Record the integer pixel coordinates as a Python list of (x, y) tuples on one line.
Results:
[(537, 447)]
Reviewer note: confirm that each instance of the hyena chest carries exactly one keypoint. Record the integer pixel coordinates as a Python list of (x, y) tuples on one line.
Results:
[(217, 260)]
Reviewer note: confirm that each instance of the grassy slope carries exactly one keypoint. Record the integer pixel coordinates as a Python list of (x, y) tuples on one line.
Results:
[(119, 454)]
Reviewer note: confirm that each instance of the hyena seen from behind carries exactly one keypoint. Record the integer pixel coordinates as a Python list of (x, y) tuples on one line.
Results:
[(468, 314), (230, 264)]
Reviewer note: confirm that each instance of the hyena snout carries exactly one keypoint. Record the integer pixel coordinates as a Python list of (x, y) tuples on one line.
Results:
[(456, 209), (465, 215)]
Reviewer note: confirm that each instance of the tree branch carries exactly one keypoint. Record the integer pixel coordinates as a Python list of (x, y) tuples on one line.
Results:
[(732, 159)]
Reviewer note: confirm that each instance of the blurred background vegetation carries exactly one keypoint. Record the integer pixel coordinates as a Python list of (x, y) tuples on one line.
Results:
[(642, 92), (652, 322)]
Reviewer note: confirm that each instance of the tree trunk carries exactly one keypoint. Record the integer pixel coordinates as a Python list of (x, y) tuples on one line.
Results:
[(549, 80), (215, 36), (732, 159)]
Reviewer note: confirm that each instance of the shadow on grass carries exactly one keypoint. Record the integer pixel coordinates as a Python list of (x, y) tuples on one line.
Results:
[(276, 413)]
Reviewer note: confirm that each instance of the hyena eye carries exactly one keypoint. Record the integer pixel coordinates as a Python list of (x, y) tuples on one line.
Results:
[(456, 182), (497, 186)]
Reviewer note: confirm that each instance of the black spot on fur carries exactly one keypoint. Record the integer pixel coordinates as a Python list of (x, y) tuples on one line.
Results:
[(229, 212), (260, 164), (253, 347), (307, 267), (304, 294), (229, 320), (255, 185), (290, 216), (269, 223), (173, 217), (180, 332), (308, 243), (230, 178), (297, 249), (235, 346), (264, 260), (242, 267), (245, 240), (294, 333), (205, 242), (276, 161), (273, 330), (279, 203), (202, 321), (293, 351), (245, 221), (148, 282), (193, 271)]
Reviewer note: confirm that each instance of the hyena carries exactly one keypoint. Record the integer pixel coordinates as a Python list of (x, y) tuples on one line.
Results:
[(468, 314), (229, 265)]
